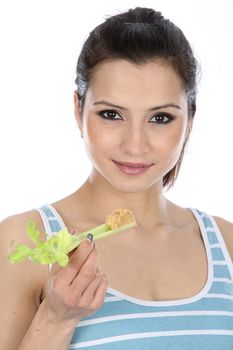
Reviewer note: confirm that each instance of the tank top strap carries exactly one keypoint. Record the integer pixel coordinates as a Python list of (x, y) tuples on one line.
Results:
[(51, 219), (222, 263)]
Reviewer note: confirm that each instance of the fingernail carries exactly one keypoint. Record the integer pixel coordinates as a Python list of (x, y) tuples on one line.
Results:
[(90, 237)]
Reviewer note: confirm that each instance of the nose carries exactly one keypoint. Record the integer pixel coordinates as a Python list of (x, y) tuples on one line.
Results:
[(135, 141)]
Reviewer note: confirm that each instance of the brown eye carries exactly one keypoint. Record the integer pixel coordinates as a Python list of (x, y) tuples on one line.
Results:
[(109, 114), (162, 118)]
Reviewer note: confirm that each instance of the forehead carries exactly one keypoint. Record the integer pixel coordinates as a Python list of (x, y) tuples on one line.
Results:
[(126, 82)]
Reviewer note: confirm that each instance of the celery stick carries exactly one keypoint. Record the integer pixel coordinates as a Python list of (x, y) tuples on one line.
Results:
[(57, 247), (98, 233), (111, 232)]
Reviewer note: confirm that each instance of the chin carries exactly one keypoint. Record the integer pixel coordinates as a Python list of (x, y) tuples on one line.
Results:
[(129, 187), (132, 184)]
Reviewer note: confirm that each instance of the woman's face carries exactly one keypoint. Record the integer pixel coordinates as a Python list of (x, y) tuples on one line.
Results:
[(133, 114)]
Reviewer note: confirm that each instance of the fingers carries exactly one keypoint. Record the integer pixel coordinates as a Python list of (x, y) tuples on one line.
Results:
[(94, 294), (99, 294), (87, 274), (78, 258), (78, 289)]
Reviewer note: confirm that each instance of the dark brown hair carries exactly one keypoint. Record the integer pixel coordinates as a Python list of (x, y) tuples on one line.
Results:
[(140, 35)]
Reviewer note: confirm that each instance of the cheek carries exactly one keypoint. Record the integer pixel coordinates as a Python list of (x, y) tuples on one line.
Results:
[(170, 143), (99, 137), (176, 138)]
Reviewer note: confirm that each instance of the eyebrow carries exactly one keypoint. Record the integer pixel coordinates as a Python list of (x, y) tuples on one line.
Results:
[(167, 105)]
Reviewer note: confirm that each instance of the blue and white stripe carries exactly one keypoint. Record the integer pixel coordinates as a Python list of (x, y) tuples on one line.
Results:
[(203, 321)]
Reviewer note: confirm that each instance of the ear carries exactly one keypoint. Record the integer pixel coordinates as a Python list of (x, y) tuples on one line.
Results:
[(77, 111)]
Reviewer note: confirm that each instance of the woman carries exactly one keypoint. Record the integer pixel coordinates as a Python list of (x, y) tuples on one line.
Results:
[(168, 282)]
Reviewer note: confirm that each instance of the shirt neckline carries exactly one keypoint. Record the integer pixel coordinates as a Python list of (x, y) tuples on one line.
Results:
[(171, 302)]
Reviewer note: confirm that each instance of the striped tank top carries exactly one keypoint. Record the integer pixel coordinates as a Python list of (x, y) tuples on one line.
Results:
[(203, 321)]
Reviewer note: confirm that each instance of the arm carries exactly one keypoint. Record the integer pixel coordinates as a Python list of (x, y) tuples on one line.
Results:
[(20, 285), (70, 293)]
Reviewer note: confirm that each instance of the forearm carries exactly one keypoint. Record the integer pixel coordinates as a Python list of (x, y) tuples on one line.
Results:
[(45, 334)]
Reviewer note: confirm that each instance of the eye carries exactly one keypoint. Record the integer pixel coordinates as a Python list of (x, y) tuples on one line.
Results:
[(109, 114), (162, 118)]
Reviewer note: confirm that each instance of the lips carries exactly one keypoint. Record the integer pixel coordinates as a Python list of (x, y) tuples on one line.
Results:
[(133, 165), (132, 168)]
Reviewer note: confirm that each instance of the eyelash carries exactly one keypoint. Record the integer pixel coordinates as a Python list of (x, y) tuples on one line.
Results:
[(167, 115)]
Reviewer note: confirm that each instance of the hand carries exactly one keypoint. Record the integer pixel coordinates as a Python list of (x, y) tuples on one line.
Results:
[(78, 289)]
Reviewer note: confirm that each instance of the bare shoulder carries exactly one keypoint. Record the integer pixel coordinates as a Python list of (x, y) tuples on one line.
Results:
[(226, 228), (21, 284), (13, 229)]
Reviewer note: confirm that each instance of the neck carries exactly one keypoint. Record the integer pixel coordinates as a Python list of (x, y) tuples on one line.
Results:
[(150, 207)]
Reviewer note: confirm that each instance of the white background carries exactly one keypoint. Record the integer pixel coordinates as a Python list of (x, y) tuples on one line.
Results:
[(41, 152)]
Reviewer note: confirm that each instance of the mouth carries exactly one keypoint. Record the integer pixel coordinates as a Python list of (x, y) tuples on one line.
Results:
[(132, 168)]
